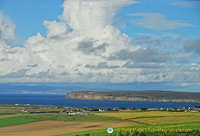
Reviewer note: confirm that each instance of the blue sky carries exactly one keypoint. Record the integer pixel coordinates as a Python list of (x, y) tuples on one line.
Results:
[(143, 43), (29, 16)]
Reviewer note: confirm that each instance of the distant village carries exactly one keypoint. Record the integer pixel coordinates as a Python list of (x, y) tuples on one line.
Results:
[(90, 111)]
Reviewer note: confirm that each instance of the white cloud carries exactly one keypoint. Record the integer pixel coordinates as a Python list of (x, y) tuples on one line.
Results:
[(188, 74), (7, 30), (157, 21), (63, 56), (9, 57), (83, 54), (91, 17), (55, 28)]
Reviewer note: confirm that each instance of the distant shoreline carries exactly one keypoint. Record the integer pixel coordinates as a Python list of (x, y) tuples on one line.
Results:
[(149, 96)]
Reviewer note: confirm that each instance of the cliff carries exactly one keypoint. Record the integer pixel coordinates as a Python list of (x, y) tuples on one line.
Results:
[(155, 96)]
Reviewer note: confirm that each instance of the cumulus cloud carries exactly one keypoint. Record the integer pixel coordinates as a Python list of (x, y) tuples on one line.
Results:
[(63, 55), (55, 28), (10, 58), (7, 30), (157, 21), (92, 51), (141, 55), (90, 17), (88, 47)]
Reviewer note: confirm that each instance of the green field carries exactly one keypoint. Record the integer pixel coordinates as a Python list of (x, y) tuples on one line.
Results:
[(15, 119), (154, 117), (10, 121), (153, 120), (150, 123), (64, 117), (173, 126)]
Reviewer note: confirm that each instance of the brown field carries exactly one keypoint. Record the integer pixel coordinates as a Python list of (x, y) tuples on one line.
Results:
[(47, 128)]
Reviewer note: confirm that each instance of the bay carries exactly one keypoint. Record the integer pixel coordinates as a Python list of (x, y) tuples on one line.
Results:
[(60, 100)]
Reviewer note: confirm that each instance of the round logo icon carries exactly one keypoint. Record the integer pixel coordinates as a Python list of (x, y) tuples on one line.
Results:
[(110, 130)]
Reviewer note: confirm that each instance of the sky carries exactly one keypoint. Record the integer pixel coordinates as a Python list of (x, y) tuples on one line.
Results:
[(100, 44)]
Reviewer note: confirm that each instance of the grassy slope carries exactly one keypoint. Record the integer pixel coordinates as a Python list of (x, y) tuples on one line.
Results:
[(64, 117), (12, 115), (102, 132), (9, 121), (15, 119), (154, 117)]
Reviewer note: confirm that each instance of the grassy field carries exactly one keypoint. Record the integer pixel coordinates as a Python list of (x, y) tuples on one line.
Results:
[(154, 117), (141, 132), (47, 128), (171, 126), (21, 118), (151, 119), (15, 122), (64, 117), (10, 121)]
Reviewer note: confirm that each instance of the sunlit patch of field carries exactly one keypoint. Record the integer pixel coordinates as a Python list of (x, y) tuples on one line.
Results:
[(16, 120), (180, 126), (155, 117), (13, 122), (46, 128)]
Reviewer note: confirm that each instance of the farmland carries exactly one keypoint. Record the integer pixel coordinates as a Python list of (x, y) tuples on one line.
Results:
[(46, 128), (155, 117), (152, 123), (14, 122), (53, 121)]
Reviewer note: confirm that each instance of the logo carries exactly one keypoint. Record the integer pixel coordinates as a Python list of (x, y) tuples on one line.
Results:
[(110, 130)]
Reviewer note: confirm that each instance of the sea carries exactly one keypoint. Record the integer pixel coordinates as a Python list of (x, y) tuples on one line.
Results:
[(60, 100)]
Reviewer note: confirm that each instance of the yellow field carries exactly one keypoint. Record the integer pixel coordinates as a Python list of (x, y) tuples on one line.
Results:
[(131, 118), (47, 128), (155, 117)]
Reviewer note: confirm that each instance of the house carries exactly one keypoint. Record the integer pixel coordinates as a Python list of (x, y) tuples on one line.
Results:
[(101, 110), (79, 113), (24, 111), (71, 113)]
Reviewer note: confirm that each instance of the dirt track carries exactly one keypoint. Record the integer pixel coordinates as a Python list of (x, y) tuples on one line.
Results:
[(47, 128)]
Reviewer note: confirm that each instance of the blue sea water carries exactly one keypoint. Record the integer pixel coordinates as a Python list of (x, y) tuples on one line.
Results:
[(59, 100)]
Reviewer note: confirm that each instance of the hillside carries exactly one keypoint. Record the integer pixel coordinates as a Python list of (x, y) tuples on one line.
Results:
[(156, 96)]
